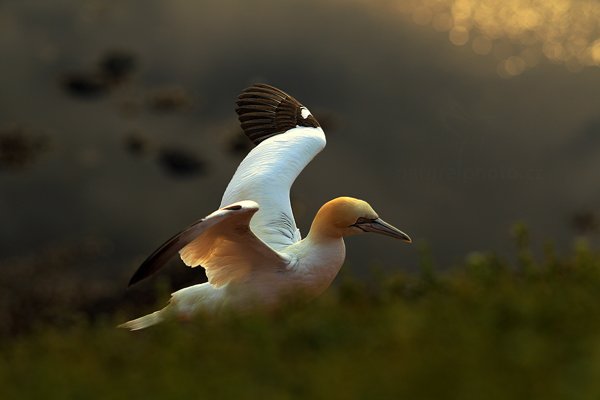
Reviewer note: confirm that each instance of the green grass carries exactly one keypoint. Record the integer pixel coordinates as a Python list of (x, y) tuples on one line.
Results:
[(485, 330)]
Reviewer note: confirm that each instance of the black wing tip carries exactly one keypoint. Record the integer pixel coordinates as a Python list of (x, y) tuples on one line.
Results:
[(134, 279), (266, 89), (265, 111), (138, 276), (142, 273), (163, 254)]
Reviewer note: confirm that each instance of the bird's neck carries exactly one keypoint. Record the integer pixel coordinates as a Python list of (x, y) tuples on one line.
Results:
[(321, 258), (322, 251), (325, 244), (323, 227)]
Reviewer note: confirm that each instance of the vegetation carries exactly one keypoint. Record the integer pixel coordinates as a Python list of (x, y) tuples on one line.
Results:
[(488, 329)]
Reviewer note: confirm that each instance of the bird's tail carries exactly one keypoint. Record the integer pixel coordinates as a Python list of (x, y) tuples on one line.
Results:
[(145, 321)]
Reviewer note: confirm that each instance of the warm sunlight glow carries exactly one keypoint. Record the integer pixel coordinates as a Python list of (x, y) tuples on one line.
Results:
[(517, 32)]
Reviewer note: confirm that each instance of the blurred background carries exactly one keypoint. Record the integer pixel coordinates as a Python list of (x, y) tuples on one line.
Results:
[(453, 118)]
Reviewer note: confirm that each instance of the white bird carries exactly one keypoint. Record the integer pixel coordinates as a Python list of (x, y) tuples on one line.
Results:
[(250, 247)]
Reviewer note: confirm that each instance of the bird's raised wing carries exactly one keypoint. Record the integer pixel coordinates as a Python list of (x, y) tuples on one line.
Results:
[(288, 137), (222, 243)]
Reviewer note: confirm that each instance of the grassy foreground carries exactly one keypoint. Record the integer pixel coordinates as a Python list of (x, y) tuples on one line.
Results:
[(486, 330)]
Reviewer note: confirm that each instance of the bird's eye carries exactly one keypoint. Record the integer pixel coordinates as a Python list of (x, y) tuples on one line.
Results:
[(362, 220)]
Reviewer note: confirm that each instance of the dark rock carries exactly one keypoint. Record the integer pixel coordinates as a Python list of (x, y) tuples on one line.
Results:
[(180, 163), (136, 144), (117, 65), (19, 148), (85, 85), (169, 99)]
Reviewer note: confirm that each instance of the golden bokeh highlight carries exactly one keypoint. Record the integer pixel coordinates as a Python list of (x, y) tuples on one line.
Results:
[(519, 33), (459, 36)]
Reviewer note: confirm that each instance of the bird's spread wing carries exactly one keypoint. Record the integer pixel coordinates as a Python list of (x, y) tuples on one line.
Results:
[(222, 243), (288, 137), (265, 111)]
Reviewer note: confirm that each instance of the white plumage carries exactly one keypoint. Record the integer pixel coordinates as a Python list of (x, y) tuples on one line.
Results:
[(266, 176), (252, 251)]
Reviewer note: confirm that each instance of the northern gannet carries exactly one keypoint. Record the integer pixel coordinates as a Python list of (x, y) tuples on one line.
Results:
[(250, 247)]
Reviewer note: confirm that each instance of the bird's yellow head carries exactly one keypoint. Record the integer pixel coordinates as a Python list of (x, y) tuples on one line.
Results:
[(345, 216)]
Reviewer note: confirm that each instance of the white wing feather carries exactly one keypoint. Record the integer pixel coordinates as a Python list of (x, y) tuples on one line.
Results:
[(229, 250), (266, 176)]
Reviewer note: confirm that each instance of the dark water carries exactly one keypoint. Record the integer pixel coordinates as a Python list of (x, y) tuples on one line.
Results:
[(117, 127)]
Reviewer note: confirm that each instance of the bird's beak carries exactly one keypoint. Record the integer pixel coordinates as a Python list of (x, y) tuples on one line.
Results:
[(380, 226)]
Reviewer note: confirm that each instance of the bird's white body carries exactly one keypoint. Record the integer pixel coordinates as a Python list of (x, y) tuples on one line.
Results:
[(312, 268), (311, 271), (250, 247)]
